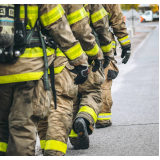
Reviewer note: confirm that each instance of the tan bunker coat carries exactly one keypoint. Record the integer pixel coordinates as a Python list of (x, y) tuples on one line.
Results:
[(23, 99)]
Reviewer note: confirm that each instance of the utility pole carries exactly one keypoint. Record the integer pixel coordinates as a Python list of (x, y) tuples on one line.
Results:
[(132, 17)]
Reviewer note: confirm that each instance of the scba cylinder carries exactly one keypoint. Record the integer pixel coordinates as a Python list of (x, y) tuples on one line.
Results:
[(6, 25)]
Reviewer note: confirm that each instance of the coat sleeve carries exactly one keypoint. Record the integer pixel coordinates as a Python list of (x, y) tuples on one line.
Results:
[(53, 19), (99, 22), (116, 20), (79, 23)]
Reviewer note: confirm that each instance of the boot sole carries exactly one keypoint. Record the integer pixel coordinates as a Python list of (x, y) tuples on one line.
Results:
[(103, 126), (83, 138)]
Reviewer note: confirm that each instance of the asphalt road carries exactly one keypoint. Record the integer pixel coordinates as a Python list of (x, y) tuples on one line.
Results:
[(135, 112)]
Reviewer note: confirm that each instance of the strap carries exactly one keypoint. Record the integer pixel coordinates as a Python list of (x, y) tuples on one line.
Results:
[(17, 11), (46, 81), (53, 84), (25, 6)]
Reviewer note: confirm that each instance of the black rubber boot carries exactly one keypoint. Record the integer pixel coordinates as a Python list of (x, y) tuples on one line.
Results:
[(81, 130), (104, 125)]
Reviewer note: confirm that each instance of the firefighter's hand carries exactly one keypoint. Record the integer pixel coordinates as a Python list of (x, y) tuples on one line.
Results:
[(106, 62), (97, 64), (126, 52), (82, 74)]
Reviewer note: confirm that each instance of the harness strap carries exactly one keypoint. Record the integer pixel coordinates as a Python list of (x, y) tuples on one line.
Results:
[(53, 84)]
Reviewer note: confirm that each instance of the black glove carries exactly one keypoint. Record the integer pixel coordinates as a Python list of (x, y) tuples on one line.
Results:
[(126, 52), (106, 62), (82, 74), (97, 65)]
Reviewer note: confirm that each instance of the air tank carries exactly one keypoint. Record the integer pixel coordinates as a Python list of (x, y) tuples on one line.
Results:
[(6, 25)]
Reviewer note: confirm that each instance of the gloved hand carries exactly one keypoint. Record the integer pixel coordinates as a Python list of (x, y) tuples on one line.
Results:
[(82, 74), (106, 62), (126, 52), (97, 65)]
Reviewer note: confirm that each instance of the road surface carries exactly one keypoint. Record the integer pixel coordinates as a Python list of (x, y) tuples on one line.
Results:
[(135, 112)]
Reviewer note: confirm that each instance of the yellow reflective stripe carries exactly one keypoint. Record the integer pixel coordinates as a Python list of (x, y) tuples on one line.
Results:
[(52, 16), (98, 15), (89, 111), (59, 53), (124, 40), (76, 16), (56, 145), (106, 48), (85, 5), (36, 52), (88, 13), (32, 15), (74, 52), (58, 69), (113, 44), (32, 12), (104, 116), (93, 51), (42, 142), (3, 147), (72, 134), (21, 77)]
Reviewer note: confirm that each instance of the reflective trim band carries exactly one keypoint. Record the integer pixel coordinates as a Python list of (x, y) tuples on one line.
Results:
[(58, 69), (36, 52), (74, 52), (93, 51), (59, 53), (56, 145), (76, 16), (98, 15), (32, 12), (72, 134), (3, 147), (124, 40), (113, 44), (106, 48), (21, 77), (104, 116), (42, 142), (32, 15), (52, 16), (89, 111), (88, 13), (85, 5)]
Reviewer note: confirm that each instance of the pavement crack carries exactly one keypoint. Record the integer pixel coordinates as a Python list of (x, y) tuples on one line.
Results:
[(137, 124)]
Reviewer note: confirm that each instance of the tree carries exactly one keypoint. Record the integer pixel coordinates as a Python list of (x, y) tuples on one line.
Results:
[(154, 7), (129, 6)]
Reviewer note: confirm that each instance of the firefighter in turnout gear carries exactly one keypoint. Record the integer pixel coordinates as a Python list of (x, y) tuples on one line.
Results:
[(116, 21), (88, 103), (79, 23), (25, 94)]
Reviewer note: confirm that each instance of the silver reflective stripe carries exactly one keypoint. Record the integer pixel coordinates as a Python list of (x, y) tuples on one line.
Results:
[(124, 40), (104, 116)]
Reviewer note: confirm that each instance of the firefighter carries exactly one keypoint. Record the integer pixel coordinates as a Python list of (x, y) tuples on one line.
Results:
[(88, 103), (25, 94), (116, 21), (79, 23)]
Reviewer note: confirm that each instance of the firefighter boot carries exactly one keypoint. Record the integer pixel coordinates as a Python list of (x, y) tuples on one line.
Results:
[(81, 130), (104, 125)]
